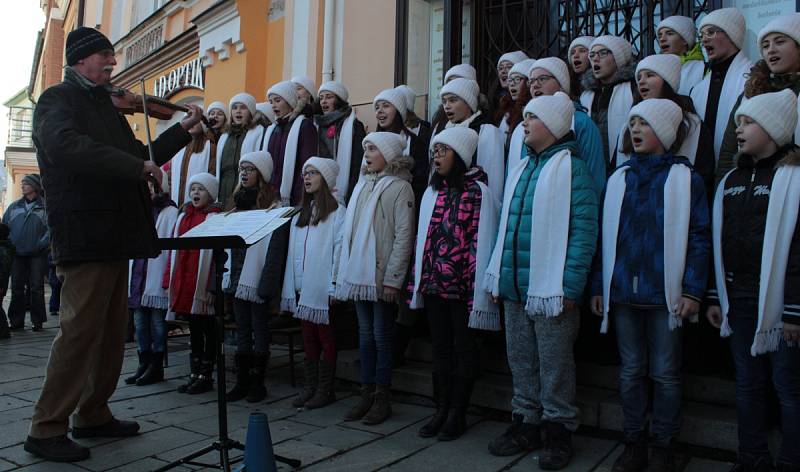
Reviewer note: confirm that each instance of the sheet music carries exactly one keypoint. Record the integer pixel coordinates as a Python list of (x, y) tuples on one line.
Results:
[(252, 226)]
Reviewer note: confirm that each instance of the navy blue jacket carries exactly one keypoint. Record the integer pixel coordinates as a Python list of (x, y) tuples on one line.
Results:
[(638, 277)]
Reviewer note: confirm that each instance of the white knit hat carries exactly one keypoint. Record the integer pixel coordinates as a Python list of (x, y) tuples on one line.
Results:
[(522, 68), (512, 57), (462, 139), (776, 112), (619, 47), (788, 24), (465, 89), (336, 88), (410, 95), (585, 41), (263, 162), (208, 181), (245, 99), (266, 109), (557, 68), (555, 111), (218, 106), (663, 116), (326, 166), (306, 82), (729, 20), (286, 90), (396, 98), (667, 66), (683, 25), (465, 71), (391, 145)]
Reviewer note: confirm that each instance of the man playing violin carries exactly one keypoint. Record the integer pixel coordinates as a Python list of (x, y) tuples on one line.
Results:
[(99, 217)]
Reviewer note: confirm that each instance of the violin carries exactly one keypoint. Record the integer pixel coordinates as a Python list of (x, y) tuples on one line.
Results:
[(129, 103)]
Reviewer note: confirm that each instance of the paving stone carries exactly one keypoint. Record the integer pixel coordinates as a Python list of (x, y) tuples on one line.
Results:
[(21, 385), (51, 467), (706, 465), (209, 425), (29, 396), (282, 430), (11, 416), (328, 416), (590, 454), (15, 371), (148, 463), (306, 453), (5, 465), (17, 455), (403, 414), (130, 450), (8, 402), (14, 433), (183, 451), (339, 438)]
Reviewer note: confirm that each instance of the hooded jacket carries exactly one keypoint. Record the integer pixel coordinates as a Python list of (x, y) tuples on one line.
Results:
[(28, 227)]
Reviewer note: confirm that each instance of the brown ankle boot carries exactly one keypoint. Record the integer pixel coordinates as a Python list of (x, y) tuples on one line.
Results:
[(381, 407), (364, 404)]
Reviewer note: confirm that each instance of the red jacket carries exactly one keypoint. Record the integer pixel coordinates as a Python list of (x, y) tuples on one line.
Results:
[(183, 284)]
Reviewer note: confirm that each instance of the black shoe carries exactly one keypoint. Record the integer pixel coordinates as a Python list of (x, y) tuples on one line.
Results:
[(113, 429), (441, 395), (57, 449), (662, 458), (242, 360), (257, 391), (194, 366), (519, 437), (633, 458), (456, 424), (154, 372), (557, 450), (37, 327), (144, 362), (205, 381)]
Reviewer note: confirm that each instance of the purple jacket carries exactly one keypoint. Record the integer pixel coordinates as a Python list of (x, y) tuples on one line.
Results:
[(306, 147)]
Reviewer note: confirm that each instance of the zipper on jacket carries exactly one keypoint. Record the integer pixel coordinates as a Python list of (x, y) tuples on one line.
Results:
[(750, 187), (516, 233)]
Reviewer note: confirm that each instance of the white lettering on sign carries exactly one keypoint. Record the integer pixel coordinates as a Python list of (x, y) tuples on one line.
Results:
[(189, 75)]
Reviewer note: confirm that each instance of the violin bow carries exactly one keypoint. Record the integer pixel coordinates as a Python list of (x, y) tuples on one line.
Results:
[(147, 120)]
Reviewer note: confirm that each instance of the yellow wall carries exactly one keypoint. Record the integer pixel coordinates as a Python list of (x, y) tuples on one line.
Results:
[(273, 62)]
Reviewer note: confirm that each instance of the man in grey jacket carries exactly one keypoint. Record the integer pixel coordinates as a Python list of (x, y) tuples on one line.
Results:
[(27, 220)]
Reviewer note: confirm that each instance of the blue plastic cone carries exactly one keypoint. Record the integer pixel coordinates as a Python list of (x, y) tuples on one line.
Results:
[(258, 454)]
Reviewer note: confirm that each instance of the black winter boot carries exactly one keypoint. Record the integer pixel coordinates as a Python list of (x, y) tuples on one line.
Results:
[(194, 366), (257, 391), (325, 394), (633, 458), (557, 451), (205, 380), (367, 394), (144, 362), (456, 422), (154, 372), (441, 396), (239, 390), (519, 437), (662, 457), (311, 374)]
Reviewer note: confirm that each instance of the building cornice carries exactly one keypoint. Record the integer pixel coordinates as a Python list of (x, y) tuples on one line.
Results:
[(219, 31), (179, 48)]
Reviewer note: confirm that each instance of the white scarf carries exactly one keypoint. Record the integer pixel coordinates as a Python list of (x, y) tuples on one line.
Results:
[(677, 214), (732, 87), (250, 277), (154, 296), (688, 148), (691, 75), (251, 143), (317, 254), (289, 157), (202, 300), (344, 153), (549, 235), (515, 147), (357, 281), (618, 108), (198, 162), (485, 313), (784, 199)]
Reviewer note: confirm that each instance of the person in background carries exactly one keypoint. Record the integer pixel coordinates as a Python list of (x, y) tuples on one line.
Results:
[(579, 63), (217, 115), (242, 135), (677, 35)]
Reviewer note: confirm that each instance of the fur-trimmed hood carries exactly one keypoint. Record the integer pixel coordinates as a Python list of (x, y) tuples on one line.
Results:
[(400, 167), (623, 74)]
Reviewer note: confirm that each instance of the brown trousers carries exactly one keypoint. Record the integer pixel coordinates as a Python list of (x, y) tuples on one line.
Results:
[(86, 357)]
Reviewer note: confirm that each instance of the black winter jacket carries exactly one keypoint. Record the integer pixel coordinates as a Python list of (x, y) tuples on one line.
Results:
[(98, 205), (746, 199)]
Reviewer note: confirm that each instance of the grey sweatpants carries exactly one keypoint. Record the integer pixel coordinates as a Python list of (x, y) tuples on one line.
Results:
[(542, 365)]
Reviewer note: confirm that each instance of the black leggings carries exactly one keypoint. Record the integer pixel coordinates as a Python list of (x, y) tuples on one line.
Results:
[(203, 336), (455, 351)]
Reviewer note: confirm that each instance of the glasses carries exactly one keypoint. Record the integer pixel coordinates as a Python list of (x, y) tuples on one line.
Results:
[(709, 33), (247, 169), (440, 151), (517, 79), (541, 79), (311, 173), (601, 53)]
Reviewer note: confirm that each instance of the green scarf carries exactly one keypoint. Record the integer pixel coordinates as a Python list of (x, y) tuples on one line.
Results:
[(694, 54)]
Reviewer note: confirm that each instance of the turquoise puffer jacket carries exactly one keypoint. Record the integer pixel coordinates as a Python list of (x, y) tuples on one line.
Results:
[(583, 226)]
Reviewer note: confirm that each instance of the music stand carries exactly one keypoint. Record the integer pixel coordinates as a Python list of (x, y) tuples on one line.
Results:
[(223, 444)]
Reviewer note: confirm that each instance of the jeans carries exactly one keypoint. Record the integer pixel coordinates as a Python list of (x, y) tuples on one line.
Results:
[(540, 355), (375, 326), (252, 326), (151, 329), (30, 271), (454, 349), (644, 338), (752, 382)]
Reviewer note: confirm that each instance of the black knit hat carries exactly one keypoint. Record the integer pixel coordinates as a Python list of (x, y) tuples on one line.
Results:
[(83, 42)]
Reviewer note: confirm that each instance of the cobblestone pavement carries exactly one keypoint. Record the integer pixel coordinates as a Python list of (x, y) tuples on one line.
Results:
[(175, 424)]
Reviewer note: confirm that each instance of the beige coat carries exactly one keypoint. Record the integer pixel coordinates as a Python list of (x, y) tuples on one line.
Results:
[(393, 224)]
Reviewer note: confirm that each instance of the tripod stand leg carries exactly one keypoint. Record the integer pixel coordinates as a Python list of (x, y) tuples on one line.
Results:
[(187, 459)]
